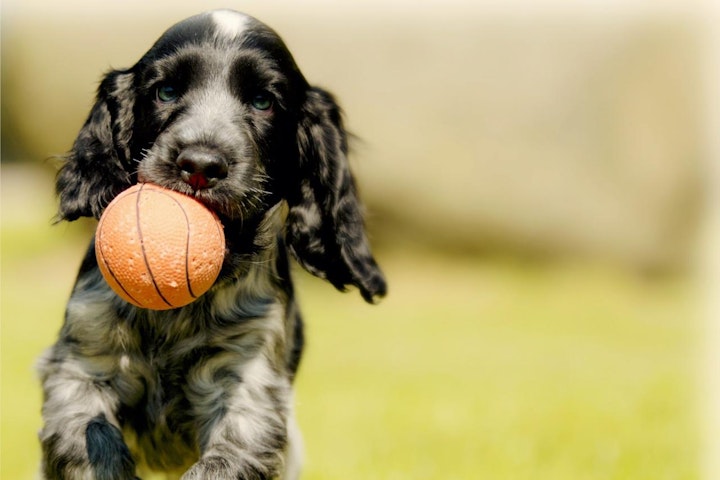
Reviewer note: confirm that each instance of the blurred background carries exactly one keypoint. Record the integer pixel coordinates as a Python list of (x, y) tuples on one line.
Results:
[(537, 176)]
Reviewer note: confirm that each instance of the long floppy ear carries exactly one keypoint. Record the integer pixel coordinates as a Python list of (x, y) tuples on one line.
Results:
[(325, 229), (99, 165)]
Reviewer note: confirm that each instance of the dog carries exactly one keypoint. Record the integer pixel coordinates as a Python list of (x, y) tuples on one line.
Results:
[(216, 109)]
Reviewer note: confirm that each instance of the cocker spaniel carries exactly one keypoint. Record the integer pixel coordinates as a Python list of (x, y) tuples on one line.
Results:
[(216, 109)]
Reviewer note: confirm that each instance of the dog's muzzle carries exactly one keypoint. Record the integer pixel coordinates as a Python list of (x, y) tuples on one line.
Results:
[(201, 167)]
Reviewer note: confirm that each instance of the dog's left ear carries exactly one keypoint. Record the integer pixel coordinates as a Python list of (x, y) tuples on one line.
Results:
[(325, 228), (99, 165)]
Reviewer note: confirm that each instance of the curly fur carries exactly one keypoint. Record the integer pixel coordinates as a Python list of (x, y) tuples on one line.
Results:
[(203, 391)]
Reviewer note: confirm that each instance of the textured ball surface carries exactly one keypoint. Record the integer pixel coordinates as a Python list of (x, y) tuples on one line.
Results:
[(157, 248)]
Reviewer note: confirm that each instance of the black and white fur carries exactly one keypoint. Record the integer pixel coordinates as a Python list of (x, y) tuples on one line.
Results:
[(216, 109)]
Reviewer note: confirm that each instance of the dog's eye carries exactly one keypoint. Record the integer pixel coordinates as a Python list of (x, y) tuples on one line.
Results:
[(166, 93), (262, 101)]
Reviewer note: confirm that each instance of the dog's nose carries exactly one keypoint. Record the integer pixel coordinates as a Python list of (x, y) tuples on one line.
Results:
[(201, 168)]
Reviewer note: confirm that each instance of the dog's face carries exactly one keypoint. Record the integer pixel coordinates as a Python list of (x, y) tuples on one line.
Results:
[(216, 113), (218, 109)]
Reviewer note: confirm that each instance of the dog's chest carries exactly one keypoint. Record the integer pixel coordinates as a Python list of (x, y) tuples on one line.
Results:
[(170, 384), (158, 418)]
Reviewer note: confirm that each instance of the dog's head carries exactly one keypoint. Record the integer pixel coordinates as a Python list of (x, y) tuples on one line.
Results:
[(218, 109)]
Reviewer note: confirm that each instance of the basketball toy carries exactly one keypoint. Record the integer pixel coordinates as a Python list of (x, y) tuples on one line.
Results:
[(157, 248)]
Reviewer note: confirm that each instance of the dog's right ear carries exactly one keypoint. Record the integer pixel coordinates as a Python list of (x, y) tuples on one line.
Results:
[(99, 166), (325, 228)]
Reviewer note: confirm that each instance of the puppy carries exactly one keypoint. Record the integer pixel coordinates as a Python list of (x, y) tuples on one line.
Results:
[(216, 109)]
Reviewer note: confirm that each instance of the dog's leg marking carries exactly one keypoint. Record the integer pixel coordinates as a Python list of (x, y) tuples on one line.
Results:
[(81, 438)]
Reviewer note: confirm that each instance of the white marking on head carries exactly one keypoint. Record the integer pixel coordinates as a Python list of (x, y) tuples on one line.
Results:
[(230, 23)]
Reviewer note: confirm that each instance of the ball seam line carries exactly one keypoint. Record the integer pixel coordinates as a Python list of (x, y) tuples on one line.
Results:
[(187, 241), (187, 255), (142, 246), (110, 270)]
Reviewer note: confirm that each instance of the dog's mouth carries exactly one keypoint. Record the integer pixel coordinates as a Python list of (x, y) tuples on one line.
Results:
[(234, 191), (234, 205)]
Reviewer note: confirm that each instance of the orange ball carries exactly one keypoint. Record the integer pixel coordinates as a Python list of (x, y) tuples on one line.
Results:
[(157, 248)]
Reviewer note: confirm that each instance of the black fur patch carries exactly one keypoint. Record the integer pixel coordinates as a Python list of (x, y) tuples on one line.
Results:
[(107, 453)]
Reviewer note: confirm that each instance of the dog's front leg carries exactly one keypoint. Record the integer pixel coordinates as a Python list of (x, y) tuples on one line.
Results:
[(242, 415), (80, 438)]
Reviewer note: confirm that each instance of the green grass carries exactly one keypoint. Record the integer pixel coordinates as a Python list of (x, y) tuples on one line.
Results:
[(470, 369), (495, 370)]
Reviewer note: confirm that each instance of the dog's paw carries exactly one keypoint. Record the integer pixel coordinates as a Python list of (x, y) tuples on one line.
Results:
[(220, 468), (209, 467)]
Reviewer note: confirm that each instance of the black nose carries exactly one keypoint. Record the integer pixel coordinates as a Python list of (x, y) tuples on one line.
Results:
[(201, 167)]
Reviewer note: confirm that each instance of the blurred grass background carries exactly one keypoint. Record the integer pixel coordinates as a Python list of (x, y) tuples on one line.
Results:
[(535, 174)]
